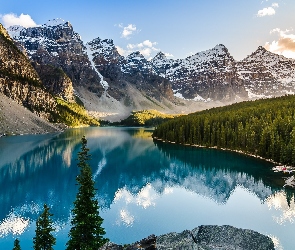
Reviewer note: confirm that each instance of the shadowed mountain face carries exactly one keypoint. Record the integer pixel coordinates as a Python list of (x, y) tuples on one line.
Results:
[(19, 80)]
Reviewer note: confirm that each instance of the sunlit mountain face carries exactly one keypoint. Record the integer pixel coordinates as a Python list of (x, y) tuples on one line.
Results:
[(144, 187)]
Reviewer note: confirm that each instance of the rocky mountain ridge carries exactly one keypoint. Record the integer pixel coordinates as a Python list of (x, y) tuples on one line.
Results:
[(111, 84), (19, 80), (37, 93), (212, 75)]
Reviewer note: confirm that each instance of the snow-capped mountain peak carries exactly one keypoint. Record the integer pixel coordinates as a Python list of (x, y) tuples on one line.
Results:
[(14, 31), (56, 22), (160, 56), (211, 74), (276, 72), (135, 56)]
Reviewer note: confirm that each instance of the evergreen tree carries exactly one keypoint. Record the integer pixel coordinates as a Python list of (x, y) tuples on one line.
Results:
[(86, 232), (44, 240), (263, 127), (16, 245)]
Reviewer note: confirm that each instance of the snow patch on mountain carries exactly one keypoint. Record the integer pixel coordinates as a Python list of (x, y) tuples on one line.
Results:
[(136, 61), (89, 52), (55, 22), (14, 31), (277, 66)]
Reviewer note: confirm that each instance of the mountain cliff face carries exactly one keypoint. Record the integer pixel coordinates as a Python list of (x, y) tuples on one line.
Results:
[(55, 81), (55, 43), (109, 83), (267, 74), (43, 89), (120, 71), (20, 81), (96, 70), (207, 75)]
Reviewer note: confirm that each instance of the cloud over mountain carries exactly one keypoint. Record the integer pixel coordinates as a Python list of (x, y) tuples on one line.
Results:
[(285, 45), (22, 20)]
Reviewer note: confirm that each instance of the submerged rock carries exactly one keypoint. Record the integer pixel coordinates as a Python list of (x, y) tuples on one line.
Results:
[(202, 238)]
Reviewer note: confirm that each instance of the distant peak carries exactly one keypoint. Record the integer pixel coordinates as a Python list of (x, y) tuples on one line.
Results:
[(160, 55), (135, 54), (56, 22), (221, 47), (14, 30), (261, 48)]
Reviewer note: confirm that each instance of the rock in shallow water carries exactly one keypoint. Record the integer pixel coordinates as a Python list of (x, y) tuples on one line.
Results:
[(202, 238)]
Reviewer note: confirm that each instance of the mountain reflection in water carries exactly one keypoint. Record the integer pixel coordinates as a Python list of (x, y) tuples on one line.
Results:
[(143, 186)]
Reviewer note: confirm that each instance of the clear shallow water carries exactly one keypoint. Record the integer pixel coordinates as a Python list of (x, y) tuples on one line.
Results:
[(144, 187)]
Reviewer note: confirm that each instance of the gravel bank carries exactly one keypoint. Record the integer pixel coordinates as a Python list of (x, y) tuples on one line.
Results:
[(15, 119)]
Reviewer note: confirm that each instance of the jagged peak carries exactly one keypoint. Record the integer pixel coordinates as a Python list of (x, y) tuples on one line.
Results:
[(98, 40), (160, 55), (220, 46), (261, 52), (216, 53), (135, 55), (261, 48), (220, 49), (15, 30), (57, 22)]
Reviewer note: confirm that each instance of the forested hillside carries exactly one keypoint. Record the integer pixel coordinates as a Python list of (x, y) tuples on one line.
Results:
[(148, 118), (263, 127)]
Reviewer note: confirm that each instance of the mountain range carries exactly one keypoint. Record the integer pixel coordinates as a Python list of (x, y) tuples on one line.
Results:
[(111, 85)]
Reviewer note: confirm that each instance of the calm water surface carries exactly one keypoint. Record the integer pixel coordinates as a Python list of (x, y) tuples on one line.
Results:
[(144, 187)]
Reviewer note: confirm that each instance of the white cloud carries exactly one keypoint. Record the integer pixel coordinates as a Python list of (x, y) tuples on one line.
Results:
[(284, 45), (146, 48), (146, 52), (127, 30), (12, 19), (268, 11), (276, 5), (168, 55)]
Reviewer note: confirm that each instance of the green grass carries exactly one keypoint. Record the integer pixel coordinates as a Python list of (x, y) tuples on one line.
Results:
[(148, 118), (73, 114)]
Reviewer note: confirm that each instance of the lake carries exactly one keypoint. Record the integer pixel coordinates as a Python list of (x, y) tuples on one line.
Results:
[(143, 186)]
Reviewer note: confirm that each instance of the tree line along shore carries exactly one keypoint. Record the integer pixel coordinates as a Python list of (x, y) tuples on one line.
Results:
[(264, 128)]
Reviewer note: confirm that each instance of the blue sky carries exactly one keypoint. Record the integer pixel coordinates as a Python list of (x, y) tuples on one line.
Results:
[(178, 28)]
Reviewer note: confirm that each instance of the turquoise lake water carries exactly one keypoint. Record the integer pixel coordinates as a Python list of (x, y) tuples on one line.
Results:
[(143, 186)]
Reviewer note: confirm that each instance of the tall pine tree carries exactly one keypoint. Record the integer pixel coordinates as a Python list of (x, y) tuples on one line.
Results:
[(44, 240), (16, 245), (86, 232)]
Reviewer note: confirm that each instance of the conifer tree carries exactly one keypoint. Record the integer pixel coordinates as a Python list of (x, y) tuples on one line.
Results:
[(44, 240), (16, 245), (86, 232)]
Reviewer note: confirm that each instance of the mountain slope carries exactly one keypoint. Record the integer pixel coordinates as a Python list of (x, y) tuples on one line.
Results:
[(16, 119), (111, 86), (267, 74), (95, 69), (20, 82)]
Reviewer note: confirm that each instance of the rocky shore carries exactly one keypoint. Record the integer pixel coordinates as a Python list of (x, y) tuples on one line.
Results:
[(202, 238)]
